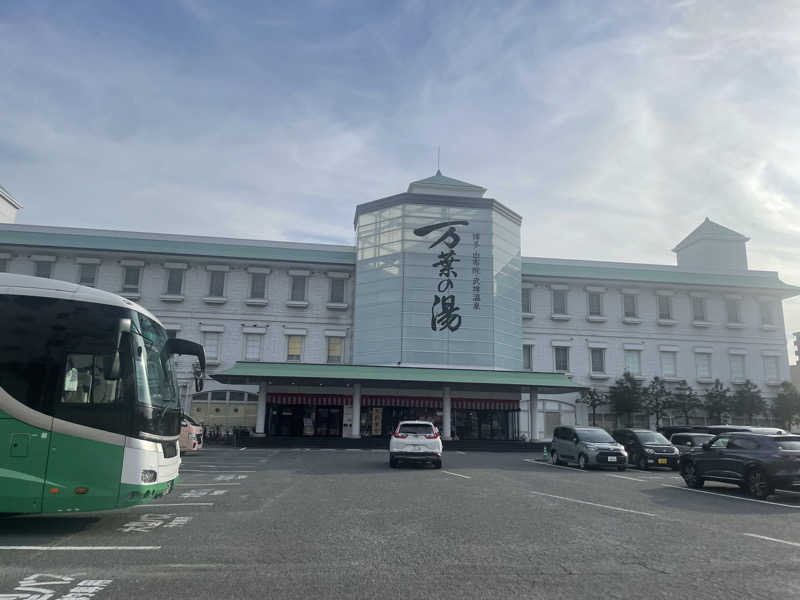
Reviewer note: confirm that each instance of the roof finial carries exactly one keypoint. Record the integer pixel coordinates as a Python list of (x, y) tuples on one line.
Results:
[(438, 156)]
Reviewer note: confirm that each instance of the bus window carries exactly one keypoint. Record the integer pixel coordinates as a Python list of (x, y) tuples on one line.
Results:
[(85, 382)]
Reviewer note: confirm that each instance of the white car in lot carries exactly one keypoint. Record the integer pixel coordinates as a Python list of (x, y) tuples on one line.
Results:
[(415, 441)]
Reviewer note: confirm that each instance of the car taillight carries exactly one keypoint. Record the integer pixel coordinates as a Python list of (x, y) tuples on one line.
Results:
[(432, 436), (397, 434)]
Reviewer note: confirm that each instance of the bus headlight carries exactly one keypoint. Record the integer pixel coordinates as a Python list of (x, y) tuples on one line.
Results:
[(149, 476)]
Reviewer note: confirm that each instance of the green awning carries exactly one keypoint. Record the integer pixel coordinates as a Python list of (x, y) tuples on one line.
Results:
[(250, 373)]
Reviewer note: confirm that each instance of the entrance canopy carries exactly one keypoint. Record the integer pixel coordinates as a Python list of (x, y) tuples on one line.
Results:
[(474, 380)]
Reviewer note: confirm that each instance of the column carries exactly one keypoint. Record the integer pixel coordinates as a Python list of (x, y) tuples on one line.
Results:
[(533, 413), (262, 407), (355, 428), (446, 405)]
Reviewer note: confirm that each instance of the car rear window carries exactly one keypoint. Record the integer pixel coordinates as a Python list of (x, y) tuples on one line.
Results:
[(788, 443), (416, 429)]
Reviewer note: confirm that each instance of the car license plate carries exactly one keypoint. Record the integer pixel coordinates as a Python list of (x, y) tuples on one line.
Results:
[(612, 459), (662, 461)]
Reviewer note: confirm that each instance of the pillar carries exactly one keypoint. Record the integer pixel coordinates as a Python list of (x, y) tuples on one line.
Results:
[(262, 407), (355, 428), (446, 406), (533, 413)]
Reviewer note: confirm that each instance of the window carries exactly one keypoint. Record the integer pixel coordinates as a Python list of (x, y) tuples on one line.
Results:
[(598, 360), (699, 309), (88, 275), (211, 344), (527, 357), (337, 291), (236, 397), (43, 269), (252, 346), (216, 288), (669, 364), (721, 442), (174, 282), (633, 362), (298, 288), (335, 349), (561, 358), (737, 366), (527, 300), (559, 302), (771, 368), (765, 307), (665, 308), (130, 279), (3, 265), (172, 333), (630, 308), (733, 309), (742, 443), (219, 396), (294, 351), (595, 304), (702, 361), (258, 285)]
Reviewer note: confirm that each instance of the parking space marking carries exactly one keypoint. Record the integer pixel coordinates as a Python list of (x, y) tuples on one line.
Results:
[(769, 539), (575, 500), (206, 471), (78, 548), (204, 483), (767, 502), (460, 452), (242, 448), (626, 477), (457, 474), (547, 464), (174, 504)]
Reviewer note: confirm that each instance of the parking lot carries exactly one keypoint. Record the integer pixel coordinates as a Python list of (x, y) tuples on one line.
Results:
[(299, 523)]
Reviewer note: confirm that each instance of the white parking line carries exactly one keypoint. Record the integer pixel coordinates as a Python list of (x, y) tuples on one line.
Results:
[(460, 452), (626, 510), (626, 477), (196, 484), (80, 548), (175, 504), (457, 475), (214, 472), (769, 539), (547, 464), (767, 502), (243, 448)]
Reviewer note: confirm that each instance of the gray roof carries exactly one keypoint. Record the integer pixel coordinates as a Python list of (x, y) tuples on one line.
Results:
[(444, 181), (709, 230)]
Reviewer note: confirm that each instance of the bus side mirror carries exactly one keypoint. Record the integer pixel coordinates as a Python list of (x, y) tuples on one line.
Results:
[(179, 346), (111, 364)]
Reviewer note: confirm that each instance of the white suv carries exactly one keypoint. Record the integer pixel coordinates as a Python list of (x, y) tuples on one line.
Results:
[(416, 441)]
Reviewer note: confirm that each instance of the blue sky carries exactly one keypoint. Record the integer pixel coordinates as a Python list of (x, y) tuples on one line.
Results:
[(614, 128)]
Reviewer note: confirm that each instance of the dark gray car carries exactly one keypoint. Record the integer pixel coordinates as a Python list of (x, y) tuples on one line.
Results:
[(587, 447), (687, 442)]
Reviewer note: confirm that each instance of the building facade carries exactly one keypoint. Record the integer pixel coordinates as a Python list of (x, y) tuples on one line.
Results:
[(435, 279)]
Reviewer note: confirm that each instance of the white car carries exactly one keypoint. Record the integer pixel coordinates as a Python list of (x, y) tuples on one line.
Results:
[(415, 441)]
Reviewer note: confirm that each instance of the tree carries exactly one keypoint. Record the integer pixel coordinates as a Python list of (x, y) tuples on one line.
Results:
[(625, 396), (685, 401), (593, 398), (656, 399), (747, 401), (787, 405), (718, 402)]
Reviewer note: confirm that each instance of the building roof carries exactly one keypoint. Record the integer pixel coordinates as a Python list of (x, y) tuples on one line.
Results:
[(709, 230), (88, 240), (441, 184), (596, 270), (6, 195), (248, 373)]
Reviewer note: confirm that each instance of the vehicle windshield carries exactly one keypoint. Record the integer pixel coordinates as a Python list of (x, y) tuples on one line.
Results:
[(595, 436), (651, 437)]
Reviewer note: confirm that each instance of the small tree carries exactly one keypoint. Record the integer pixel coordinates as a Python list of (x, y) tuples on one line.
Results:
[(656, 399), (593, 398), (685, 401), (747, 401), (625, 396), (718, 402), (787, 405)]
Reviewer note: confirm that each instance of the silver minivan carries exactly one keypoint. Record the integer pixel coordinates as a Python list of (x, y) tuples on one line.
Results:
[(587, 447)]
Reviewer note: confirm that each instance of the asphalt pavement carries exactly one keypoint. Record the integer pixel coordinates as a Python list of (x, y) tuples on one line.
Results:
[(321, 523)]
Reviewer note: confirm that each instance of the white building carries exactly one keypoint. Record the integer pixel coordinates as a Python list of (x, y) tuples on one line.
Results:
[(8, 206), (281, 321)]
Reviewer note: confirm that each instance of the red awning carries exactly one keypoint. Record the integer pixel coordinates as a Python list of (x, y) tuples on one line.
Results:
[(311, 399), (404, 401), (484, 404)]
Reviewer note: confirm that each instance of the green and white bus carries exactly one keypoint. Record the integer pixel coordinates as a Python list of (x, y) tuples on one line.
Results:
[(89, 402)]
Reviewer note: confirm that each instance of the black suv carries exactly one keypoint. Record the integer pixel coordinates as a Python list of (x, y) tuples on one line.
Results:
[(759, 464), (648, 448)]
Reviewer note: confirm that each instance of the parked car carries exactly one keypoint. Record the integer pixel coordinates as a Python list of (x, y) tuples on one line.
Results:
[(719, 429), (415, 441), (669, 430), (648, 448), (758, 463), (587, 447), (191, 437), (689, 441)]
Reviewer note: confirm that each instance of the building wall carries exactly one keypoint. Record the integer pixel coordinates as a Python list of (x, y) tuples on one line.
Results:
[(8, 212)]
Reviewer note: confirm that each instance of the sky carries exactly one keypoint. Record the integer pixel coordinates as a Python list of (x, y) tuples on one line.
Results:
[(614, 128)]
